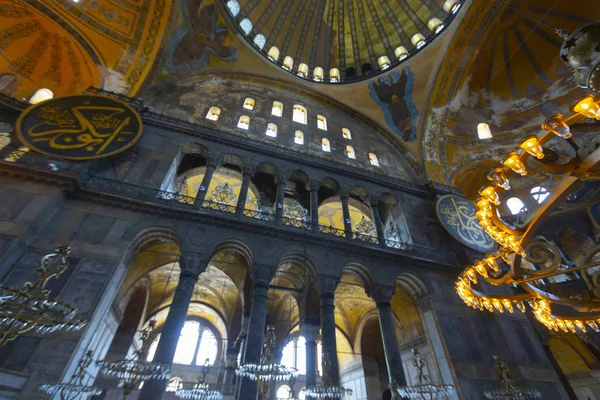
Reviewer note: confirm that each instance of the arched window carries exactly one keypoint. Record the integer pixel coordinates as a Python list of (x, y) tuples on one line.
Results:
[(277, 109), (260, 40), (299, 137), (249, 103), (271, 130), (334, 75), (17, 154), (401, 53), (384, 62), (318, 74), (288, 63), (197, 344), (174, 384), (246, 26), (234, 7), (373, 159), (283, 392), (325, 145), (435, 25), (515, 205), (4, 140), (299, 114), (213, 113), (273, 53), (418, 40), (41, 95), (302, 70), (321, 122), (350, 152), (346, 134), (539, 194), (294, 355), (244, 122)]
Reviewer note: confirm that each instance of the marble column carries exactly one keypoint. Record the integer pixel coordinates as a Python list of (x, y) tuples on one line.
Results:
[(327, 287), (169, 334), (310, 333), (211, 165), (230, 364), (346, 213), (256, 329), (313, 188), (246, 178), (382, 296), (377, 220), (281, 181)]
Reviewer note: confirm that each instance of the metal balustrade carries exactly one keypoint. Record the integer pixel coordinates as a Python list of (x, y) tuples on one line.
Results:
[(297, 223), (365, 238), (330, 230), (215, 205), (260, 215)]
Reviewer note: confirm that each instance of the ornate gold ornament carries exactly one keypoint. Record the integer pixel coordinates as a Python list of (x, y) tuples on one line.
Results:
[(364, 227), (30, 308), (535, 267), (295, 211), (83, 127), (223, 194), (424, 388), (75, 388)]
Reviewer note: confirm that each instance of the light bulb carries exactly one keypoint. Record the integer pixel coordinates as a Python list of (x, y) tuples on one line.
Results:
[(587, 107), (499, 177), (558, 126), (513, 161), (490, 194), (492, 263), (532, 146), (484, 131)]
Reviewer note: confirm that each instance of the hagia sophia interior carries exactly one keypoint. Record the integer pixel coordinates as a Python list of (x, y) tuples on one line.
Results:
[(296, 199)]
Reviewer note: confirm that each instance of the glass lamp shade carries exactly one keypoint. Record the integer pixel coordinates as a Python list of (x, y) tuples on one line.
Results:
[(451, 6), (532, 146), (418, 40), (435, 25), (587, 107), (483, 131), (499, 177), (401, 53), (513, 161), (558, 126), (489, 193)]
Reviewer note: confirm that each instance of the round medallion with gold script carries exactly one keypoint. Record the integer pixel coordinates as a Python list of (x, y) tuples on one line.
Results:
[(458, 217), (82, 127)]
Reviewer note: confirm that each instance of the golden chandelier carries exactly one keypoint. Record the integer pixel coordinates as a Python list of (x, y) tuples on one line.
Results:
[(529, 273)]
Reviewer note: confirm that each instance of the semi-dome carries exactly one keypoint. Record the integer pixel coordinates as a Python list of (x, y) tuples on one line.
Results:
[(334, 41)]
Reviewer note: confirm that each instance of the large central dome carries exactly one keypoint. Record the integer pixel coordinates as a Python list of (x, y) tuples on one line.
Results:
[(335, 41)]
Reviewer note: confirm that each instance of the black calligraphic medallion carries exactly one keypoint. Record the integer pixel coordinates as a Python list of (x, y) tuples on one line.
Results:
[(458, 217), (82, 127)]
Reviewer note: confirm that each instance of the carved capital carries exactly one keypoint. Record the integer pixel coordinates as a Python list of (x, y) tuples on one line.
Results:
[(249, 170), (191, 264), (382, 294), (262, 275), (373, 201), (214, 161), (282, 177), (343, 193), (310, 331), (326, 285), (313, 185)]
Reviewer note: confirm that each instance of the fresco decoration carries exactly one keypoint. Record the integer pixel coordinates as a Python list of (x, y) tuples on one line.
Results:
[(393, 93), (82, 127), (202, 33), (457, 215)]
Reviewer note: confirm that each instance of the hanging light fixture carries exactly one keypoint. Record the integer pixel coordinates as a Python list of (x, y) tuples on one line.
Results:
[(327, 390), (201, 390), (30, 308), (133, 371), (508, 390), (75, 388), (424, 388)]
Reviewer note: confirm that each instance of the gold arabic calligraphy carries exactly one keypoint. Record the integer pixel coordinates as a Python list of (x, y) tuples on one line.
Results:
[(459, 216)]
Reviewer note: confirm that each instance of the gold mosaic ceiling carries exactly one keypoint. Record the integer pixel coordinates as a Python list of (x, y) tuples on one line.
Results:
[(350, 35)]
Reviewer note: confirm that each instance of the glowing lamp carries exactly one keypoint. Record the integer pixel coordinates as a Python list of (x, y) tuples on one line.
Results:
[(418, 40), (482, 203), (558, 126), (40, 95), (471, 274), (499, 177), (532, 146), (451, 6), (587, 107), (401, 53), (489, 192), (513, 244), (481, 269), (483, 131), (513, 161), (492, 263), (435, 25)]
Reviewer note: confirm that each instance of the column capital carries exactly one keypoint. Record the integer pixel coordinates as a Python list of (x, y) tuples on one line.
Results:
[(262, 275), (373, 201), (310, 331), (326, 285), (191, 264), (213, 161), (382, 294), (249, 170), (313, 185), (343, 193), (282, 177)]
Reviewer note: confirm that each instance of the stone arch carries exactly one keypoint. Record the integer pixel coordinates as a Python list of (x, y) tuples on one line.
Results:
[(195, 148), (146, 236), (360, 324), (236, 246), (301, 259), (267, 168), (413, 285), (359, 192), (362, 272), (389, 198), (233, 159), (331, 184)]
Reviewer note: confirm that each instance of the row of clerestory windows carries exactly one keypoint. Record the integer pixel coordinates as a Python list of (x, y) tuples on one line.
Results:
[(299, 116)]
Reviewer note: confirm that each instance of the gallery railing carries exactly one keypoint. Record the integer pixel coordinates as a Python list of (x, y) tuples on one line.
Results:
[(11, 156)]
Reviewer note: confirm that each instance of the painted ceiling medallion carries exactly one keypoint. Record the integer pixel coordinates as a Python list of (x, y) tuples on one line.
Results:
[(223, 194)]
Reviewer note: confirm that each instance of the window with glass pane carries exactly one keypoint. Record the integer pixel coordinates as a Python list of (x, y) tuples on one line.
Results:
[(325, 146), (346, 134), (277, 109), (271, 130), (249, 103), (350, 152), (208, 348), (294, 355), (244, 122), (321, 122), (540, 194), (299, 137), (188, 339), (197, 343), (299, 114)]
